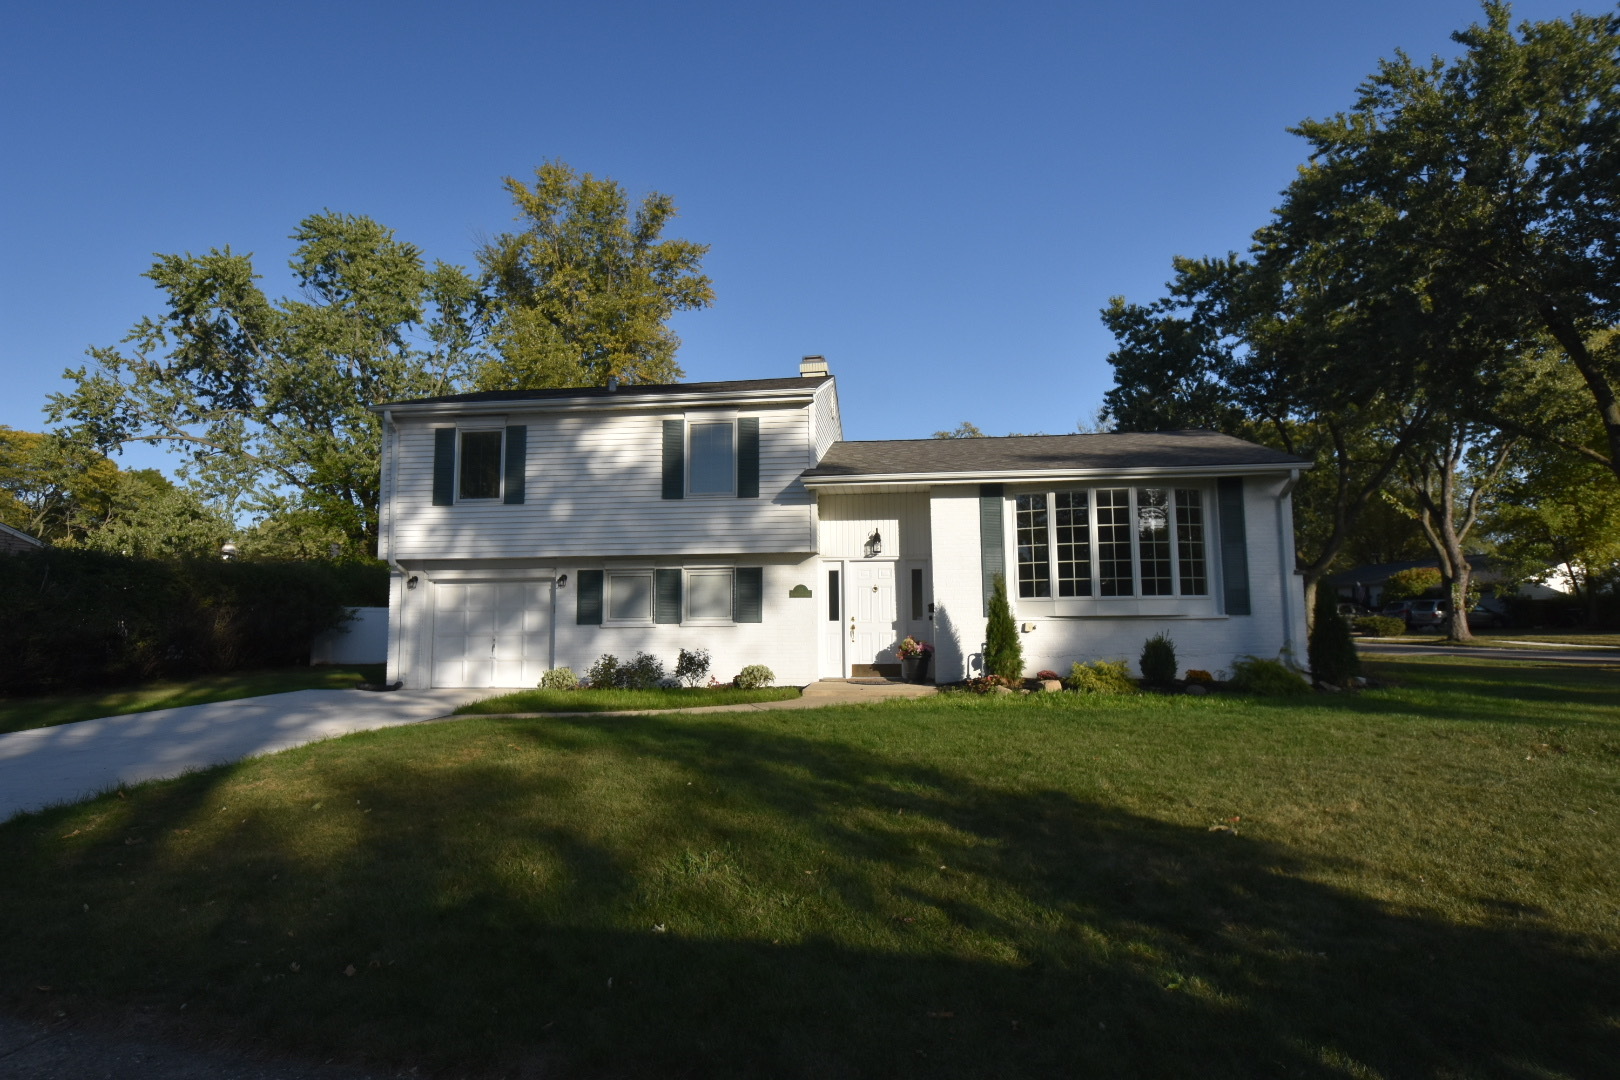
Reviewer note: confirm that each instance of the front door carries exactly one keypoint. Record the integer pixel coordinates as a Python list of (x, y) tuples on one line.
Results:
[(874, 616)]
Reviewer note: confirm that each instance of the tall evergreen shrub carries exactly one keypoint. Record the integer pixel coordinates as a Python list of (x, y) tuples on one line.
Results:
[(1003, 652), (1331, 650)]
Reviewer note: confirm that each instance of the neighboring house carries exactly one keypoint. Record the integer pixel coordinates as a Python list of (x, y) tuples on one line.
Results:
[(13, 541), (1365, 584), (542, 528)]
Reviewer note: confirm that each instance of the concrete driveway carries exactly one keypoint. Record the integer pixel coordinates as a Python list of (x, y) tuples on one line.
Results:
[(69, 762)]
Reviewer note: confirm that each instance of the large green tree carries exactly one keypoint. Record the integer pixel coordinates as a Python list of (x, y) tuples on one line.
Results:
[(1496, 176), (267, 399), (585, 290)]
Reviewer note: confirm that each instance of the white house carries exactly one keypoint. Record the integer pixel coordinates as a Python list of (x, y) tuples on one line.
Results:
[(542, 528)]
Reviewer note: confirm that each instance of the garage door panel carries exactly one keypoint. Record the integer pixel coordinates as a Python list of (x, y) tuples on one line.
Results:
[(490, 634)]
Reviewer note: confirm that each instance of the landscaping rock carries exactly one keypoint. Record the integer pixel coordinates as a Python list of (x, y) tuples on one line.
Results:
[(1000, 690), (1327, 686), (1051, 686), (1196, 689)]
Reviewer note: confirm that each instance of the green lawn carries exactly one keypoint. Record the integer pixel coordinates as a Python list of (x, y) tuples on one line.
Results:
[(46, 710), (1551, 637), (561, 701), (1418, 881)]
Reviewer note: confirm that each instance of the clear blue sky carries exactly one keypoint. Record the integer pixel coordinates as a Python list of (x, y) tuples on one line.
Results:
[(937, 196)]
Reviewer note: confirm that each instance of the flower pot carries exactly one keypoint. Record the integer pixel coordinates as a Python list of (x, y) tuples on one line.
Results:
[(908, 668)]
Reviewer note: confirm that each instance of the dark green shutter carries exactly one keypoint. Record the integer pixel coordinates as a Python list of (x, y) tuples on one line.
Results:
[(674, 459), (517, 455), (1234, 545), (748, 598), (588, 598), (444, 466), (666, 596), (992, 539), (748, 457)]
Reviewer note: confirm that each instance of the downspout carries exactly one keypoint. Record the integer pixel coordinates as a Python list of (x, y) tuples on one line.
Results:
[(1285, 556)]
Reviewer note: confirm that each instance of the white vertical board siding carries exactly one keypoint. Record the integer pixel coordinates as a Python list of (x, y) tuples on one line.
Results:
[(1210, 643), (594, 487), (958, 599), (901, 519), (826, 426)]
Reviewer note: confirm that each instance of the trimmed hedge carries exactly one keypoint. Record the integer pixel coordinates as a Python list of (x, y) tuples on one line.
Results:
[(80, 618), (1379, 625)]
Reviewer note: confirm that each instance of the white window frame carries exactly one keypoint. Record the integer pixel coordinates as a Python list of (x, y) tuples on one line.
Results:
[(1173, 603), (607, 595), (687, 618), (692, 421), (462, 431)]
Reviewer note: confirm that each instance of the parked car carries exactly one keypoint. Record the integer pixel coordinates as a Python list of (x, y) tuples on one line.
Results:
[(1484, 618), (1349, 611), (1418, 614)]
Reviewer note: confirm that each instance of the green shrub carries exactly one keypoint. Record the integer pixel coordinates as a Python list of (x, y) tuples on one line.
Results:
[(1380, 625), (1003, 652), (1331, 650), (562, 678), (753, 677), (1267, 678), (604, 673), (74, 617), (644, 672), (1158, 660), (1101, 677), (692, 666)]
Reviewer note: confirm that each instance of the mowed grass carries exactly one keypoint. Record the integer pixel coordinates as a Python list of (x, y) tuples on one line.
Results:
[(1416, 881), (46, 710), (557, 701)]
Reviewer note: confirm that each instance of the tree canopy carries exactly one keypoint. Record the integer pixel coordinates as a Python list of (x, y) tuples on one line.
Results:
[(585, 291)]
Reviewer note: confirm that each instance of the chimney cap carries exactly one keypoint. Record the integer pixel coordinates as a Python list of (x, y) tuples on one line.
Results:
[(813, 367)]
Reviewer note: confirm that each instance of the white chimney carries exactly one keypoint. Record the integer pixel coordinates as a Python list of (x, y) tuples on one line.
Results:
[(813, 367)]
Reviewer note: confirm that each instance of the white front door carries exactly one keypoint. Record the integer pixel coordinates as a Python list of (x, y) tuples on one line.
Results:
[(874, 618), (490, 633)]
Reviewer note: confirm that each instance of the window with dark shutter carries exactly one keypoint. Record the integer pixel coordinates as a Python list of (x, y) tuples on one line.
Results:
[(1234, 545), (666, 596), (748, 457), (674, 459), (749, 602), (444, 466), (588, 598), (517, 453), (992, 542)]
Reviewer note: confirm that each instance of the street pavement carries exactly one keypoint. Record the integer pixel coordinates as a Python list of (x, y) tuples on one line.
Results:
[(1539, 654)]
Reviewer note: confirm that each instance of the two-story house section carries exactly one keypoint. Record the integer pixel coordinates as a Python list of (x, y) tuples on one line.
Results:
[(542, 528)]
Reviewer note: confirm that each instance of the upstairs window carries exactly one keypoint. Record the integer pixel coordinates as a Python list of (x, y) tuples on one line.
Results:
[(713, 464), (480, 466)]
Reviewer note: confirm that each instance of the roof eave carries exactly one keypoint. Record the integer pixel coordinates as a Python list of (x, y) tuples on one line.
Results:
[(1021, 476), (617, 400)]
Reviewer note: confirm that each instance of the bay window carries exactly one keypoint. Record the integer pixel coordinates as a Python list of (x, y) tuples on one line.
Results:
[(1109, 542)]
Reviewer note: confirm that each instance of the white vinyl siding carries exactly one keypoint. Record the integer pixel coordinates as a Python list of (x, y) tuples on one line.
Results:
[(594, 485)]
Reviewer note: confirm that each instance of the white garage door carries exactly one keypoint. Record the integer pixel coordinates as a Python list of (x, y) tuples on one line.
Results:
[(490, 633)]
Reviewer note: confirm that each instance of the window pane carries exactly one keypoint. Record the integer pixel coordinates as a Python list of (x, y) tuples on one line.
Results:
[(832, 596), (1032, 546), (713, 463), (1153, 540), (916, 592), (1071, 520), (630, 597), (1114, 541), (708, 594), (480, 464), (1190, 542)]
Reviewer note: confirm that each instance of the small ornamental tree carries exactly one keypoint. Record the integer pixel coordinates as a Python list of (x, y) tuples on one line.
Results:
[(1003, 652), (1330, 650), (1411, 584)]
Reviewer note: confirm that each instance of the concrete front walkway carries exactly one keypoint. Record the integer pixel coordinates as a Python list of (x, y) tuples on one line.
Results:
[(68, 762)]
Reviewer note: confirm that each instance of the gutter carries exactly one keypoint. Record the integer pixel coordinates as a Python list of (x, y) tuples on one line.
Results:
[(621, 399), (1003, 476)]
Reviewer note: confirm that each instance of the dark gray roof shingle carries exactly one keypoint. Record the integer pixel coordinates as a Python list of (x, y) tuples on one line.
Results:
[(1046, 453)]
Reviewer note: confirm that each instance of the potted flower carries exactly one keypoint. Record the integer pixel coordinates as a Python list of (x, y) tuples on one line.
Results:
[(914, 657)]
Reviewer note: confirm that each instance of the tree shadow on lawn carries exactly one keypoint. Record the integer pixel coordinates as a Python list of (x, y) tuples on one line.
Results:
[(925, 925)]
